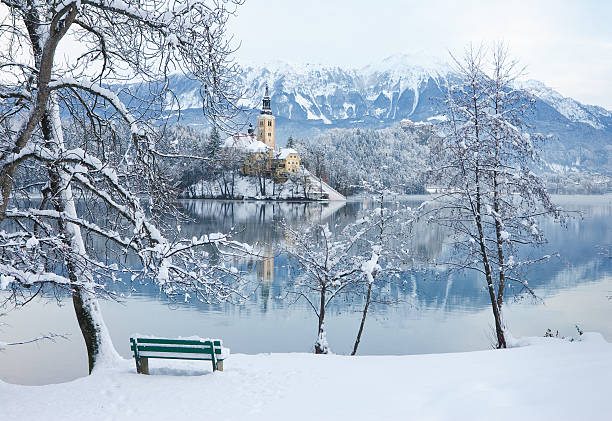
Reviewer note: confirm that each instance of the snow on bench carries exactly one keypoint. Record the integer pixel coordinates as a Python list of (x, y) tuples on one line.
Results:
[(177, 349)]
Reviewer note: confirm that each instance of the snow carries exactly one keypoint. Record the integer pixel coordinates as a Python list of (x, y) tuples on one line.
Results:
[(32, 242), (5, 281), (163, 276), (438, 118), (172, 40), (370, 267), (247, 187), (306, 105), (285, 152), (543, 379), (331, 192), (322, 341), (10, 274), (245, 142), (568, 107)]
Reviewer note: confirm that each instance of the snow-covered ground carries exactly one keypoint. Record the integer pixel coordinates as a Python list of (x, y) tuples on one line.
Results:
[(247, 187), (550, 379)]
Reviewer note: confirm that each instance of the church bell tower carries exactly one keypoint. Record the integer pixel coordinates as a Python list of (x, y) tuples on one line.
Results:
[(265, 123)]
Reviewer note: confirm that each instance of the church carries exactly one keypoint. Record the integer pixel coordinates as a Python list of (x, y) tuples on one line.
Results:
[(262, 157)]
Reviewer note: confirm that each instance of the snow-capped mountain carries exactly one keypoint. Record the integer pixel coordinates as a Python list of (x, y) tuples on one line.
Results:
[(595, 116), (308, 98), (391, 90)]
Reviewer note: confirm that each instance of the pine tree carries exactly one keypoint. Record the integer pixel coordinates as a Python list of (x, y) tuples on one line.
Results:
[(214, 143)]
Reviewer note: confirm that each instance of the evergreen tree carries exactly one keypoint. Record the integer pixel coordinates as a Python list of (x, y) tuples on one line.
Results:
[(214, 143)]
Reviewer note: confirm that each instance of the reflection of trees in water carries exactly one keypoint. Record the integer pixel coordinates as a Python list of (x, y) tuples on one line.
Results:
[(426, 288), (255, 221)]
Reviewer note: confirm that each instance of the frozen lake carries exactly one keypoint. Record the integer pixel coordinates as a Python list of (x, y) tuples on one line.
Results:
[(434, 311)]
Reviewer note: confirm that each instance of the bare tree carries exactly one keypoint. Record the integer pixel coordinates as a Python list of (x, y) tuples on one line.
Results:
[(81, 223), (328, 269), (345, 262), (390, 230), (491, 200)]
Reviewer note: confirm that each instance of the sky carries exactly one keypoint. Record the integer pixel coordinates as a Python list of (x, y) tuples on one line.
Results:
[(565, 44)]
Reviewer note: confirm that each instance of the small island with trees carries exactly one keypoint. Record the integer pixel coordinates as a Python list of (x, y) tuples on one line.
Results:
[(251, 166)]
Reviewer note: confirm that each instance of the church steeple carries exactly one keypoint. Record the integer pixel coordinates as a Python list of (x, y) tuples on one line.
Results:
[(266, 103), (265, 124)]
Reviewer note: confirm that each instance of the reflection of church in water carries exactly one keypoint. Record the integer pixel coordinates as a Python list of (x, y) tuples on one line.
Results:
[(265, 275), (265, 266)]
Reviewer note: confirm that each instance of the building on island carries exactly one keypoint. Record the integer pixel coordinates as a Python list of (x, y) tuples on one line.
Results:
[(265, 123), (262, 157), (288, 160)]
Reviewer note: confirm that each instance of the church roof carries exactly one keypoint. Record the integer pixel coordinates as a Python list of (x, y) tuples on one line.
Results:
[(245, 142), (285, 152)]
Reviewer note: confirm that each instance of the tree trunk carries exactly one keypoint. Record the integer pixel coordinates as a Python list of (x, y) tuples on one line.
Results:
[(320, 347), (500, 242), (94, 331), (499, 331), (501, 340), (363, 319), (85, 304)]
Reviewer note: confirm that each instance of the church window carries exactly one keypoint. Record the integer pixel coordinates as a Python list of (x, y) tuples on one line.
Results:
[(270, 123)]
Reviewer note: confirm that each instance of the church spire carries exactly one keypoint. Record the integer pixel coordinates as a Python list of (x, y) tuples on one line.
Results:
[(266, 103)]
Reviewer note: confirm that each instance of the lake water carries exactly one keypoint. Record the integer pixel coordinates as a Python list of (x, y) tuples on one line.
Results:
[(433, 311)]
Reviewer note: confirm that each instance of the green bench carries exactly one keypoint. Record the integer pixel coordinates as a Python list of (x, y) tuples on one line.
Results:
[(177, 349)]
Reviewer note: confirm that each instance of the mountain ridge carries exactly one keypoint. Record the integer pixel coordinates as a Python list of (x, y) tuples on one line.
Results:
[(310, 98)]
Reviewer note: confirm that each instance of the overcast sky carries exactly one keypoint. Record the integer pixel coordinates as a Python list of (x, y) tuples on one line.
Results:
[(565, 44)]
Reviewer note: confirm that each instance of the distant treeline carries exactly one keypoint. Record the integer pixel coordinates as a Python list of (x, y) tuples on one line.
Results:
[(393, 157)]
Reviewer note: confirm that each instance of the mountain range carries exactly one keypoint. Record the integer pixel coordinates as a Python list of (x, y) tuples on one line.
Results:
[(307, 99)]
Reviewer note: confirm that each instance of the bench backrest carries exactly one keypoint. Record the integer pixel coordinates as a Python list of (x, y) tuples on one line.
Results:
[(176, 348)]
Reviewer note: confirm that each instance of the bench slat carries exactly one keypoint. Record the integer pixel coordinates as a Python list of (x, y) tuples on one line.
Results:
[(176, 349), (179, 349), (216, 342), (201, 357)]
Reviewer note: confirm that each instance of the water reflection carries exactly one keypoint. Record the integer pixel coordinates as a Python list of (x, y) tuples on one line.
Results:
[(578, 245)]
